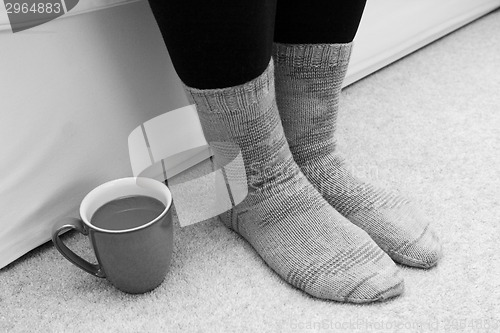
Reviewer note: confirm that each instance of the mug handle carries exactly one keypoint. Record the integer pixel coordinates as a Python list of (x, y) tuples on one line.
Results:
[(74, 224)]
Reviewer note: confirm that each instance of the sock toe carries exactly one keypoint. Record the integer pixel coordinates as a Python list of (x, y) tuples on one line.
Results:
[(380, 286), (374, 278), (403, 233), (424, 252)]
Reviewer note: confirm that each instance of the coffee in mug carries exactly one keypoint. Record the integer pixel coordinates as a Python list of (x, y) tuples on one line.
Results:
[(127, 212), (129, 224)]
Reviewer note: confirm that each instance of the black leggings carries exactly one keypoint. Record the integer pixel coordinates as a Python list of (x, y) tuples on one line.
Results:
[(223, 43)]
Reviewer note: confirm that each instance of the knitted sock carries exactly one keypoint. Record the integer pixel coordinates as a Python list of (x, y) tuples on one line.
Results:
[(297, 233), (308, 84)]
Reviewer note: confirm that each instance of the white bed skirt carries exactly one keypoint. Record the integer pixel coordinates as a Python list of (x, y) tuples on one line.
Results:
[(71, 91)]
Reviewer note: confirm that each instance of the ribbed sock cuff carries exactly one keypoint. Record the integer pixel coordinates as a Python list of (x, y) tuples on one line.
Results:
[(236, 98), (312, 55)]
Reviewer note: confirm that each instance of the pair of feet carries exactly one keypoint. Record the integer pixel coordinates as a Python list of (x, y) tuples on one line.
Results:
[(332, 235), (316, 225)]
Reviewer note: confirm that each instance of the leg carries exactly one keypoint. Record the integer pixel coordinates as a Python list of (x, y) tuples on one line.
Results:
[(297, 233), (320, 21), (204, 39), (309, 73)]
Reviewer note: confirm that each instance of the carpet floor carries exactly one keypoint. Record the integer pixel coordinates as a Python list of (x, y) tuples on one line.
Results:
[(427, 125)]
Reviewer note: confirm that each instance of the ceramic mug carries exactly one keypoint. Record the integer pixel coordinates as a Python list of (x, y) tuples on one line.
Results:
[(134, 260)]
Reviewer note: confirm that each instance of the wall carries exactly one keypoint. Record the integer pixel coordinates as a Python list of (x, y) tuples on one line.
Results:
[(391, 29)]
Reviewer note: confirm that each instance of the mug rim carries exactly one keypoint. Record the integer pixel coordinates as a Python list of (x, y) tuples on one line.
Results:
[(112, 183)]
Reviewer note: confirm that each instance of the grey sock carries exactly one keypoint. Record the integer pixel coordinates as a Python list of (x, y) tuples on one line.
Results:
[(308, 84), (297, 233)]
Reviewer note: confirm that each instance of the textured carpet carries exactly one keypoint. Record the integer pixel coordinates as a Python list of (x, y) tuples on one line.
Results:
[(428, 125)]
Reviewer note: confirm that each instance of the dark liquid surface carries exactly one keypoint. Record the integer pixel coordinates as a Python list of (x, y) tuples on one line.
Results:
[(127, 212)]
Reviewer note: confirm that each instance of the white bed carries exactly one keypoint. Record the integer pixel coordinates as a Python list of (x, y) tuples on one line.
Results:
[(73, 89)]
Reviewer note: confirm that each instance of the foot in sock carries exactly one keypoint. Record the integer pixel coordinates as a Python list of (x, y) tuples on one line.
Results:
[(296, 232), (308, 83)]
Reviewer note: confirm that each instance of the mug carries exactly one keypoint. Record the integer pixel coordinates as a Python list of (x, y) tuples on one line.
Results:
[(134, 260)]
